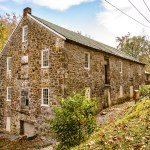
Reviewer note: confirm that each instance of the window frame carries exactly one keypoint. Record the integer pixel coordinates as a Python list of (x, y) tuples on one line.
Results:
[(121, 66), (88, 93), (42, 98), (7, 95), (88, 68), (42, 60), (8, 128), (8, 63), (25, 102), (121, 92), (23, 33), (24, 59)]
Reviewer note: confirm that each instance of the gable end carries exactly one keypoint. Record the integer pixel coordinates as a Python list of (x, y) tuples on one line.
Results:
[(47, 27)]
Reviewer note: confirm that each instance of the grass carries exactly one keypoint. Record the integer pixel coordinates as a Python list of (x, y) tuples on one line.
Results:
[(130, 132)]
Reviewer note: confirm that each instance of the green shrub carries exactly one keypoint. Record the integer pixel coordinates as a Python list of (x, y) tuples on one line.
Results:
[(74, 120), (144, 89)]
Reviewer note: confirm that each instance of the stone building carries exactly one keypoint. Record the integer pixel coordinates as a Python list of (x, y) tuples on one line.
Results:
[(42, 61)]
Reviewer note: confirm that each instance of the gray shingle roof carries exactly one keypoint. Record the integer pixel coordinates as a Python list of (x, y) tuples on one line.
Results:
[(76, 37)]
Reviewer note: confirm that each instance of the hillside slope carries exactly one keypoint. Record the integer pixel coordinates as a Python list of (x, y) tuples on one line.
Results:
[(132, 131)]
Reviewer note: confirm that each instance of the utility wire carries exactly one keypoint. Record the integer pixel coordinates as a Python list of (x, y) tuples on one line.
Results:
[(146, 5), (138, 10), (127, 14)]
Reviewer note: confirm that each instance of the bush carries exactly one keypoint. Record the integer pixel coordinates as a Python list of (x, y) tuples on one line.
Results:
[(74, 120), (144, 90)]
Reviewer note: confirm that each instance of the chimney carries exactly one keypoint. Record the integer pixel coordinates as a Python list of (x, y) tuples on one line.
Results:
[(26, 11)]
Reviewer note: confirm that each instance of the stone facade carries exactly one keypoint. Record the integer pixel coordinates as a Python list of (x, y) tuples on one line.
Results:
[(78, 78), (66, 73)]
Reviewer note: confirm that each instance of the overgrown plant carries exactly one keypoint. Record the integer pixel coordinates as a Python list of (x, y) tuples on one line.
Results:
[(144, 90), (74, 120)]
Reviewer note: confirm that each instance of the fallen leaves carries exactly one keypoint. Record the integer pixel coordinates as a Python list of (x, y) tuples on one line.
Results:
[(131, 132)]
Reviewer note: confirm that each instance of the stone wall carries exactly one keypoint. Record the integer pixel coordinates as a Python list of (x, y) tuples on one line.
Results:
[(78, 78)]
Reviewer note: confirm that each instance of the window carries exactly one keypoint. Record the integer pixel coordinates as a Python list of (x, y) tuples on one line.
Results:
[(24, 97), (107, 71), (88, 93), (121, 92), (9, 60), (8, 124), (8, 93), (24, 60), (139, 70), (120, 66), (45, 58), (24, 33), (45, 97), (87, 61)]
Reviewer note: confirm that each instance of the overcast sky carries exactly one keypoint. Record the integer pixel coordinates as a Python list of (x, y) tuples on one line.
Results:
[(94, 18)]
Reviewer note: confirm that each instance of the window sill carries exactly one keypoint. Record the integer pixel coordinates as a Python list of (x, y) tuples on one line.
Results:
[(87, 69), (45, 67), (24, 41), (121, 74), (44, 105), (8, 100), (107, 85)]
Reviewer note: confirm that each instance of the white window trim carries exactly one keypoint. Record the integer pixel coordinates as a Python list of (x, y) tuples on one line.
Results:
[(42, 58), (121, 66), (42, 104), (8, 126), (8, 63), (88, 68), (121, 91), (88, 93), (7, 99), (23, 32)]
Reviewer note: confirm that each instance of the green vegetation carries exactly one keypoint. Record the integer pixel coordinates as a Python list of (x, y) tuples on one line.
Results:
[(8, 23), (132, 131), (136, 46), (74, 120), (144, 90)]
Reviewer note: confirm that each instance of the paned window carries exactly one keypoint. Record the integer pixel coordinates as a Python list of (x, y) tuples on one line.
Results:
[(45, 58), (9, 63), (8, 93), (120, 66), (87, 61), (24, 33), (45, 96)]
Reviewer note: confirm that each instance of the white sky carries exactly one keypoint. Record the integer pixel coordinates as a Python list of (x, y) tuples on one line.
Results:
[(117, 24)]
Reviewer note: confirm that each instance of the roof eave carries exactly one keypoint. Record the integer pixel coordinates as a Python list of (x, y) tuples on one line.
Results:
[(69, 40)]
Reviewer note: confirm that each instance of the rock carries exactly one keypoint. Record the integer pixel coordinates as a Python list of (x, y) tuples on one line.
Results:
[(103, 113)]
